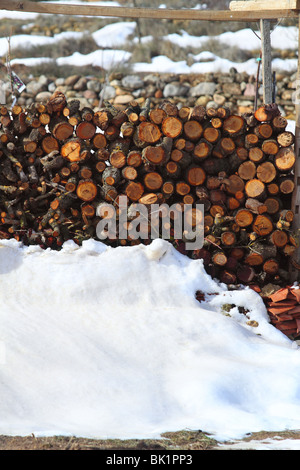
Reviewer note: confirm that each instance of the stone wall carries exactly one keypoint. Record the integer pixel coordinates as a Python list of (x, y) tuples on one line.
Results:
[(234, 90)]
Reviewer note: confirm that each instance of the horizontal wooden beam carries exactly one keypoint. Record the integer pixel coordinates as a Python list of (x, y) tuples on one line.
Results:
[(256, 5), (151, 13)]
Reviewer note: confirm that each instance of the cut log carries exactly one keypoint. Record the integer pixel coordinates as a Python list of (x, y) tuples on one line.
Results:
[(202, 150), (148, 133), (86, 130), (263, 225), (153, 181), (247, 170), (285, 139), (233, 125), (266, 172), (279, 123), (211, 135), (134, 158), (219, 258), (279, 238), (182, 188), (286, 185), (86, 190), (172, 127), (172, 169), (243, 218), (273, 205), (271, 266), (49, 144), (251, 140), (193, 130), (169, 108), (71, 150), (273, 189), (198, 113), (256, 155), (228, 238), (266, 113), (270, 147), (255, 188), (111, 176), (157, 116), (117, 158), (62, 131), (285, 159), (134, 190), (234, 184), (99, 141), (195, 175), (263, 131), (129, 173)]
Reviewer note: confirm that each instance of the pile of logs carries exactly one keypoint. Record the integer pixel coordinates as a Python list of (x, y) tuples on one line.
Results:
[(284, 310), (59, 162)]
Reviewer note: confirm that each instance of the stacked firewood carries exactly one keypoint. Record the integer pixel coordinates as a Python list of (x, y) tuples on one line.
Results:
[(284, 310), (59, 162)]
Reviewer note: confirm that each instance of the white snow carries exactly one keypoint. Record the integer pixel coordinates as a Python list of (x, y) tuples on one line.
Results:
[(105, 58), (110, 342), (275, 443), (115, 35), (283, 37)]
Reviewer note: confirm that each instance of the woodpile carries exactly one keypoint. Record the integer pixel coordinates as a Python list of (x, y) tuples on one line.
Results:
[(58, 162), (284, 310)]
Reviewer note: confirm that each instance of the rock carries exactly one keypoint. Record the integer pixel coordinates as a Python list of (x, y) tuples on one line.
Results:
[(211, 104), (80, 85), (60, 81), (71, 80), (132, 82), (139, 93), (203, 88), (52, 87), (34, 87), (94, 85), (175, 89), (89, 94), (250, 90), (108, 92), (43, 96), (202, 101), (244, 103), (123, 99), (44, 80), (231, 89), (219, 99)]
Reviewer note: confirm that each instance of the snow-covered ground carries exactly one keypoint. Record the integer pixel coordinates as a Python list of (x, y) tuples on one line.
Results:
[(110, 342), (114, 35)]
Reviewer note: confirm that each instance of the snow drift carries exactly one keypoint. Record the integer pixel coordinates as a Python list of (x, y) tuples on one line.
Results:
[(106, 342)]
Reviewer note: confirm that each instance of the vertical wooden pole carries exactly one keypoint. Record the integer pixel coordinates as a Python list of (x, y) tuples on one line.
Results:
[(295, 261), (265, 31)]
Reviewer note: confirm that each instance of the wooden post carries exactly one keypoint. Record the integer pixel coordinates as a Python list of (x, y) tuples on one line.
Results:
[(265, 30), (295, 262)]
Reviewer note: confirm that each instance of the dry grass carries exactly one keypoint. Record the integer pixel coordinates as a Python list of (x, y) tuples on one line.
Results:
[(181, 440), (171, 441)]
